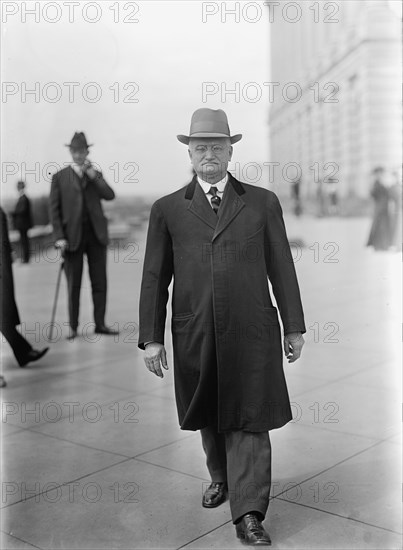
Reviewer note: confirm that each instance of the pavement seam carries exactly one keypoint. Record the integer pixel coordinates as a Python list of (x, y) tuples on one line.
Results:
[(164, 445), (338, 463), (63, 417), (173, 470), (65, 484), (330, 382), (341, 432), (278, 496), (126, 459), (72, 442), (339, 515), (204, 535), (21, 540)]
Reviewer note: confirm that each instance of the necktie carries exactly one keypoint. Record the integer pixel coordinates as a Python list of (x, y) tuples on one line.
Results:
[(215, 199), (83, 184)]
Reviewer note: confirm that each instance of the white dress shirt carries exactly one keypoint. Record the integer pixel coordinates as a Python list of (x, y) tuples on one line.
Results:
[(77, 169), (207, 186)]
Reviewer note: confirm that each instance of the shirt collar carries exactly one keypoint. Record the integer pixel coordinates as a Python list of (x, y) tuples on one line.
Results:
[(220, 184), (77, 169)]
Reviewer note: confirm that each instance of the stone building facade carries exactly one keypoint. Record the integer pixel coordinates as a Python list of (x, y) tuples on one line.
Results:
[(335, 111)]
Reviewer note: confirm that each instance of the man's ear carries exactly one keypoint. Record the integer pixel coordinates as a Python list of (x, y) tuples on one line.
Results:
[(190, 154), (230, 152)]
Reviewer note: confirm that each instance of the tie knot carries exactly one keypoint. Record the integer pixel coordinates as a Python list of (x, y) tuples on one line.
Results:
[(215, 199)]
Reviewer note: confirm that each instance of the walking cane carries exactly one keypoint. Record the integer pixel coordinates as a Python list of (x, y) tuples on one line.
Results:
[(59, 275)]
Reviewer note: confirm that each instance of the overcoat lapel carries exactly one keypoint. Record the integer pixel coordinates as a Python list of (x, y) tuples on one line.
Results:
[(199, 205), (230, 207), (75, 178)]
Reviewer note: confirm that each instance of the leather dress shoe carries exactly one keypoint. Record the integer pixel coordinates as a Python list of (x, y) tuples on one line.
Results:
[(33, 355), (106, 330), (72, 335), (215, 494), (251, 531)]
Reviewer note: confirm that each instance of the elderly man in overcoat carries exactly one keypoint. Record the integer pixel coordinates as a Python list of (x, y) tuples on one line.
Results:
[(221, 241), (80, 227)]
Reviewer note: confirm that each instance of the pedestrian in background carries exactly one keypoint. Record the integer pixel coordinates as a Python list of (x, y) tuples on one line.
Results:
[(81, 228), (381, 228), (22, 349), (395, 193), (333, 196), (321, 199), (296, 196), (22, 221)]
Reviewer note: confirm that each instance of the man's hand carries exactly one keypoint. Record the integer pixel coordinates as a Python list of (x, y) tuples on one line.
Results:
[(62, 244), (293, 342), (154, 355), (89, 170)]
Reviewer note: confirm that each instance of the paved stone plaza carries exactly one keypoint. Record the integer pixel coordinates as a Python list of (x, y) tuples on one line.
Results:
[(93, 457)]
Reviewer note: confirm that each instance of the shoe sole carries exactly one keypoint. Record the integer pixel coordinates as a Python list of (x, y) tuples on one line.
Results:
[(244, 542), (213, 505), (241, 536), (45, 351)]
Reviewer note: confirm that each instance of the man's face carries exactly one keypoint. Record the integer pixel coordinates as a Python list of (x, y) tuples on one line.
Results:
[(210, 157), (79, 155)]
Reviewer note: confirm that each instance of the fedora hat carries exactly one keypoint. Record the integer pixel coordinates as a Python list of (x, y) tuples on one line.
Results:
[(209, 123), (78, 141)]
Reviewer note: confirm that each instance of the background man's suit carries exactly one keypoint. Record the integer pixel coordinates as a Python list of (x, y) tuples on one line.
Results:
[(77, 216), (22, 349), (226, 334), (22, 221)]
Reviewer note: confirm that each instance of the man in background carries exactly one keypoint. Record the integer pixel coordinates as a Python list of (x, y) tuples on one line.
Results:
[(22, 221), (22, 349), (80, 227)]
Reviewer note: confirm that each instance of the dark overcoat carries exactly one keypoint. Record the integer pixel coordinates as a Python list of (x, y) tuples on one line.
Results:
[(22, 215), (66, 206), (228, 360), (380, 236), (9, 311)]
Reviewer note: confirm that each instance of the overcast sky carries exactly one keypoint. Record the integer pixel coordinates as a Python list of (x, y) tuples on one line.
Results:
[(166, 55)]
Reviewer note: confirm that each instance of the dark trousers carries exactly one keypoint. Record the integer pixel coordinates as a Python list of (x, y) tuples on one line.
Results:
[(243, 460), (24, 244), (73, 267), (18, 344)]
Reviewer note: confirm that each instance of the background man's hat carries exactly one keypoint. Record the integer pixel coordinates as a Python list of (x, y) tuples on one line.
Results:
[(208, 123), (79, 141)]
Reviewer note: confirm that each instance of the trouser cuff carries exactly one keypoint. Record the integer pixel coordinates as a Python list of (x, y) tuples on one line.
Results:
[(259, 508)]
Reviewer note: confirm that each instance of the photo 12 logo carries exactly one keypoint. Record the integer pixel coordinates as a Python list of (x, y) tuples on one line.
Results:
[(127, 332), (69, 92), (278, 173), (123, 172), (68, 411), (73, 492), (253, 92), (269, 11), (70, 12)]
